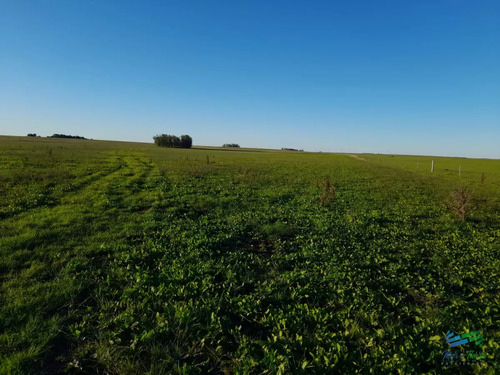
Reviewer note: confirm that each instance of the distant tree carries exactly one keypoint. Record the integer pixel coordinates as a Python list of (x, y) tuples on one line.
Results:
[(186, 141), (167, 140), (31, 134), (175, 141), (230, 145)]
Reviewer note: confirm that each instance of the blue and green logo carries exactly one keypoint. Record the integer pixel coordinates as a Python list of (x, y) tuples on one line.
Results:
[(462, 357), (456, 340)]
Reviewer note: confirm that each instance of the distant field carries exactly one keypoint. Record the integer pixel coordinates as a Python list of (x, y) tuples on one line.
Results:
[(127, 258)]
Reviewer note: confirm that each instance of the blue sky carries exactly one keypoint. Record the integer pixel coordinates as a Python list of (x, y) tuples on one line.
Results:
[(410, 77)]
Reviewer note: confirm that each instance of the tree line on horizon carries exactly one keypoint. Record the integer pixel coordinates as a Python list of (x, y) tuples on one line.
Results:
[(167, 140), (58, 136), (65, 136)]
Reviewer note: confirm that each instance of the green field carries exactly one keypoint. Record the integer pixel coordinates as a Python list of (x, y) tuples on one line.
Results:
[(127, 258)]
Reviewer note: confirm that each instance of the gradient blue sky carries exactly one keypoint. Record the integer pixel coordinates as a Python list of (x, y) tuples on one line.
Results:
[(410, 77)]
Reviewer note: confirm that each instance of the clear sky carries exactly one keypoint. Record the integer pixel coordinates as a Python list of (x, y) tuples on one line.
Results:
[(411, 77)]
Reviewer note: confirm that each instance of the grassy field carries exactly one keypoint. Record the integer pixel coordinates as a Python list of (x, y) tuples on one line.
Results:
[(127, 258)]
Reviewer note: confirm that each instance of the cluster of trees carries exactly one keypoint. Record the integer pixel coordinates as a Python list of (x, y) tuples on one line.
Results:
[(32, 135), (230, 145), (290, 149), (65, 136), (167, 140)]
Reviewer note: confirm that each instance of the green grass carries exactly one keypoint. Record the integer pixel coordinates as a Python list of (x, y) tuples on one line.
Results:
[(126, 258)]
